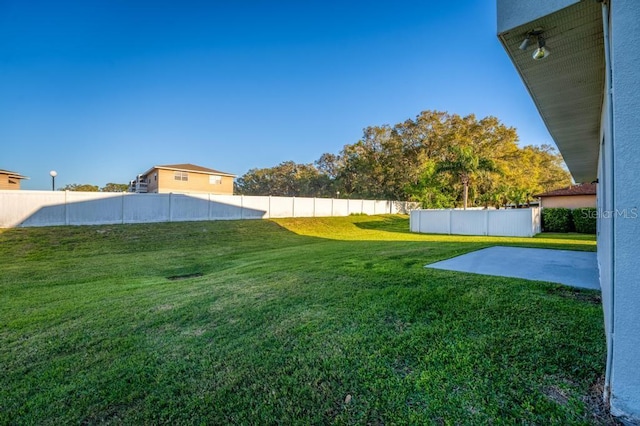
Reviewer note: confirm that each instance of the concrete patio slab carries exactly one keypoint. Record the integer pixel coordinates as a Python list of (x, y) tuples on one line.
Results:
[(573, 268)]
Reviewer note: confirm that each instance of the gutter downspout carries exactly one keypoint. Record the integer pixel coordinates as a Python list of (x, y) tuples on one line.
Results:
[(609, 93)]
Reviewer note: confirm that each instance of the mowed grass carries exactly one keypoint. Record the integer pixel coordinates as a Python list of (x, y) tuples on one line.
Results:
[(292, 321)]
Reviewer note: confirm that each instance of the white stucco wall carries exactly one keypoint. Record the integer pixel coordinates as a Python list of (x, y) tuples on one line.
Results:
[(512, 13), (625, 52), (618, 192)]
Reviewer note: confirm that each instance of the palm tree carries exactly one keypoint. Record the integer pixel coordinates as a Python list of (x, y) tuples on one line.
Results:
[(465, 163)]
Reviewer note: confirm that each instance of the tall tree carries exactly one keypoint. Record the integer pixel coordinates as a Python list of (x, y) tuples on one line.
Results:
[(84, 187), (287, 179), (465, 164), (115, 187), (407, 161)]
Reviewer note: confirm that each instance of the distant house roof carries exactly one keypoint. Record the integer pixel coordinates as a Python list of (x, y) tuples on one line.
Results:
[(190, 168), (581, 189), (12, 174)]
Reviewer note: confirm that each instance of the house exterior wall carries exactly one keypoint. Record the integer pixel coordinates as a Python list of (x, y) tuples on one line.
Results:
[(164, 181), (623, 166), (7, 183), (618, 198), (512, 13), (569, 201)]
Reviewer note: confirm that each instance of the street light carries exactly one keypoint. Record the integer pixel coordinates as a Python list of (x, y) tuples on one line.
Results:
[(53, 174)]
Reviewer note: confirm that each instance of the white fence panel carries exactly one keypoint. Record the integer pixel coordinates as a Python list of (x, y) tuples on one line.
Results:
[(225, 207), (47, 208), (537, 220), (144, 208), (189, 207), (382, 207), (93, 208), (324, 207), (431, 221), (512, 222), (33, 208), (354, 206), (414, 221), (340, 208), (369, 207), (469, 222), (303, 207), (255, 207)]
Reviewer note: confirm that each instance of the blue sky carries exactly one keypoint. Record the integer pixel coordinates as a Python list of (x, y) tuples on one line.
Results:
[(103, 90)]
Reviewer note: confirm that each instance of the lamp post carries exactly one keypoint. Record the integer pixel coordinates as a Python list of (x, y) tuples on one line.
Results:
[(53, 174)]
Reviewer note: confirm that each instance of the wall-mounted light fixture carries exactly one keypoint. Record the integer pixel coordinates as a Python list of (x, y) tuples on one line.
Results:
[(541, 51)]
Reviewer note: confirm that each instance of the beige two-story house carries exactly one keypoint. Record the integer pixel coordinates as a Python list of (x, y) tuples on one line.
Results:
[(183, 178)]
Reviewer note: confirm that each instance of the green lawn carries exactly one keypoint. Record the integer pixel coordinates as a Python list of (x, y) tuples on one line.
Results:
[(292, 321)]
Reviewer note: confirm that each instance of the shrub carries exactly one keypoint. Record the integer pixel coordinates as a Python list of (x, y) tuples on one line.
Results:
[(584, 220), (557, 219)]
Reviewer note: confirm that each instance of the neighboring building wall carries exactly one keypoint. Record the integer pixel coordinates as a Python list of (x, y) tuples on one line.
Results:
[(622, 166), (9, 183), (570, 202), (195, 182), (152, 181)]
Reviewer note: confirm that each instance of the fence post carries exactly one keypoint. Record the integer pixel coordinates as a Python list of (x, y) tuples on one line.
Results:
[(242, 207), (66, 208), (486, 222), (293, 206), (122, 212), (170, 206)]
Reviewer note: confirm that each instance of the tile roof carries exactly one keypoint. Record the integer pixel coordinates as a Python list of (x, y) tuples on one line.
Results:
[(581, 189)]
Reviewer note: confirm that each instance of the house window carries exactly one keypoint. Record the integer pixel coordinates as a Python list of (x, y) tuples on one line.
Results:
[(215, 180), (180, 175)]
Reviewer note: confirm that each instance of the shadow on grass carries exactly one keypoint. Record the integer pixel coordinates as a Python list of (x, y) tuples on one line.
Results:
[(399, 224)]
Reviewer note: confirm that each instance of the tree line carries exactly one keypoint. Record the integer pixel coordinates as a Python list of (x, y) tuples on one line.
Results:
[(86, 187), (441, 160)]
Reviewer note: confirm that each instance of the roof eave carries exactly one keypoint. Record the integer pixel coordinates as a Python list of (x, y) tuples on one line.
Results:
[(567, 87), (188, 170)]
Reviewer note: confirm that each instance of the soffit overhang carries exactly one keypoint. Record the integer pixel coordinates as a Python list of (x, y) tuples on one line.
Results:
[(567, 87)]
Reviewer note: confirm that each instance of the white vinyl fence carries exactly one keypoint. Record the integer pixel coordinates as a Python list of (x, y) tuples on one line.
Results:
[(505, 222), (48, 208)]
